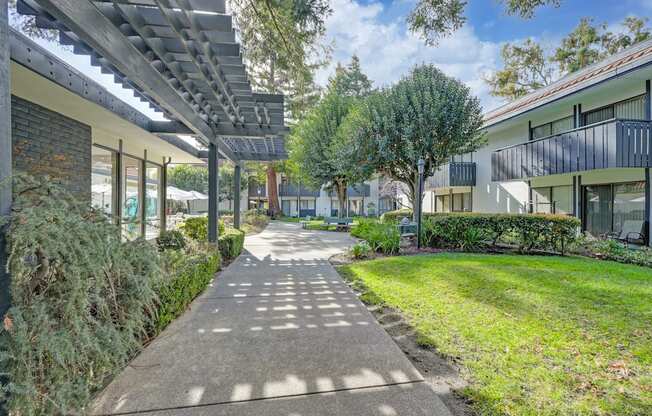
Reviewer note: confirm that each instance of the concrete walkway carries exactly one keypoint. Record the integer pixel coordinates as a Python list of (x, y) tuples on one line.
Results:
[(277, 333)]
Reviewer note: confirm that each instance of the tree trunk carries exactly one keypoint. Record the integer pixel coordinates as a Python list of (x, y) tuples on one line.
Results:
[(413, 189), (272, 191), (341, 197)]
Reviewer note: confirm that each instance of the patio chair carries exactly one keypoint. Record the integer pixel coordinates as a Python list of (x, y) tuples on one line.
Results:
[(632, 232)]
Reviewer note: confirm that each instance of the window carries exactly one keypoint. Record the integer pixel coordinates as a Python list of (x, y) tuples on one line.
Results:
[(152, 200), (633, 108), (629, 204), (554, 127), (442, 203), (608, 207), (132, 192), (553, 200), (307, 204), (103, 179)]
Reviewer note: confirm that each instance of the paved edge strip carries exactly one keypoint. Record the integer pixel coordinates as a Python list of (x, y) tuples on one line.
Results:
[(260, 399)]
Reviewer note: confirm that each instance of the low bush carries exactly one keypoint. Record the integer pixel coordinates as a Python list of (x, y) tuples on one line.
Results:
[(171, 240), (396, 216), (361, 250), (82, 301), (255, 218), (230, 243), (616, 251), (361, 229), (189, 273), (381, 237), (196, 228), (473, 231)]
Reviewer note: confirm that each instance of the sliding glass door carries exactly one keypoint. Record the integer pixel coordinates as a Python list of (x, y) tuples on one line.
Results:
[(608, 207)]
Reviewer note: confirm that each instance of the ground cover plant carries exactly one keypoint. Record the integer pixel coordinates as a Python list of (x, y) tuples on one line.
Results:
[(83, 305), (535, 335)]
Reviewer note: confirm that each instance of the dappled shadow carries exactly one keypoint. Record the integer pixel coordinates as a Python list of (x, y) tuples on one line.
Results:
[(278, 322)]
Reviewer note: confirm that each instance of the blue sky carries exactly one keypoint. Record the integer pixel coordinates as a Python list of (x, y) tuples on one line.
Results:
[(375, 30)]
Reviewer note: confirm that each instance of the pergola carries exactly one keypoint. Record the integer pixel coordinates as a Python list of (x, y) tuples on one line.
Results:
[(179, 56)]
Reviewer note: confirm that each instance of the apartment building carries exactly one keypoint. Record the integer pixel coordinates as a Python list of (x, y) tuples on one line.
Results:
[(581, 146)]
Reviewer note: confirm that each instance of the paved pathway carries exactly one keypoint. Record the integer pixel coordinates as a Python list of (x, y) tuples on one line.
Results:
[(277, 333)]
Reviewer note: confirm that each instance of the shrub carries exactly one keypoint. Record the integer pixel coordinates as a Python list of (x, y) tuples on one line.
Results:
[(616, 251), (472, 231), (190, 274), (82, 301), (255, 218), (196, 228), (171, 240), (231, 243), (396, 216), (361, 229), (384, 238), (361, 250)]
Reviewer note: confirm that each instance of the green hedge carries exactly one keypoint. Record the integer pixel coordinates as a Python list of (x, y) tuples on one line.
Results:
[(472, 231), (196, 228), (395, 216), (382, 237), (190, 275), (231, 243)]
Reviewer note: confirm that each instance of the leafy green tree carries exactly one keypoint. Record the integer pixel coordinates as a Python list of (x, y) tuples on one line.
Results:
[(425, 115), (580, 48), (350, 80), (526, 69), (435, 19), (319, 148), (189, 178)]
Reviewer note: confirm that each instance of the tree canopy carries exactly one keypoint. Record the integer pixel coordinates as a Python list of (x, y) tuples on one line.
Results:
[(528, 67), (319, 146), (425, 115)]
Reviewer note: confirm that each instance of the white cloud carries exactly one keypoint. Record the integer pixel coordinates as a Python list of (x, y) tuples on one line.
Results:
[(387, 51)]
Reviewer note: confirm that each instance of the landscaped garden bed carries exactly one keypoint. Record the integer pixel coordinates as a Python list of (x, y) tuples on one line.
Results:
[(533, 334), (84, 302)]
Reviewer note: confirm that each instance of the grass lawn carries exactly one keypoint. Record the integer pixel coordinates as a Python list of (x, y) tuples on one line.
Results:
[(534, 335)]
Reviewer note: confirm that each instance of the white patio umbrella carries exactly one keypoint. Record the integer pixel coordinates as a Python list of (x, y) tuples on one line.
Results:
[(177, 194)]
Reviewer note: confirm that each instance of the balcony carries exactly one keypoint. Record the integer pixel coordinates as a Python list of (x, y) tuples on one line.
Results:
[(452, 174), (359, 190), (609, 144), (254, 191), (294, 190)]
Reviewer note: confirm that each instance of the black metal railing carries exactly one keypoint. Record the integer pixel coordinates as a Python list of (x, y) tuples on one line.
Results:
[(452, 174), (294, 190), (612, 143)]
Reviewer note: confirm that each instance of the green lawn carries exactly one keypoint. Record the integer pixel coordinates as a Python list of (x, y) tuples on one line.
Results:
[(534, 335)]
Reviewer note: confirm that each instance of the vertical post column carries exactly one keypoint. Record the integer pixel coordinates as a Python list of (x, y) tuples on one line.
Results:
[(5, 149), (648, 101), (648, 210), (143, 196), (213, 192), (163, 192), (236, 195)]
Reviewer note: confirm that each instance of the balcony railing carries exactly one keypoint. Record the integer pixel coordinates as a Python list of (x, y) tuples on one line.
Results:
[(294, 190), (254, 191), (609, 144), (363, 190), (453, 174)]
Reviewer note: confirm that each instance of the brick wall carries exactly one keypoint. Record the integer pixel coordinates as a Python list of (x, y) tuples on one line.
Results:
[(48, 143)]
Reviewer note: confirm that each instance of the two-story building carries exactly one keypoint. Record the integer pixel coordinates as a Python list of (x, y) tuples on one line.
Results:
[(581, 146)]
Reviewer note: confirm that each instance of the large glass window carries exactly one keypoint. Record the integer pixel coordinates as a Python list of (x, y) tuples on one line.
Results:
[(442, 203), (554, 127), (152, 200), (629, 204), (541, 200), (597, 209), (633, 108), (131, 206), (553, 200), (103, 179), (563, 199)]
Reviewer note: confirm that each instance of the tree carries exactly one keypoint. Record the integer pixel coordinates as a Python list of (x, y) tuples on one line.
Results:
[(580, 48), (526, 69), (350, 80), (425, 115), (321, 150), (189, 178), (435, 19)]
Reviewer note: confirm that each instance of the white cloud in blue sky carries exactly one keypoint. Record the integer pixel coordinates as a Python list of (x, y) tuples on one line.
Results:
[(387, 50)]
